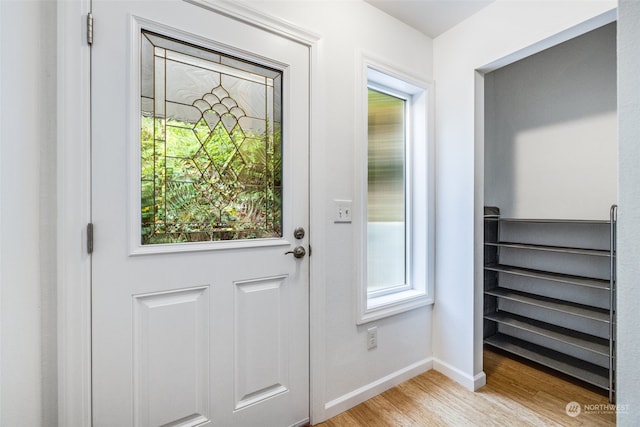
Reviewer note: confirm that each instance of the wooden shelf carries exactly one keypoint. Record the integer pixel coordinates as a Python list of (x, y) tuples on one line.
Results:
[(553, 277)]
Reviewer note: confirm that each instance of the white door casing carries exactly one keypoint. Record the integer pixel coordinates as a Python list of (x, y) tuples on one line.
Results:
[(193, 334)]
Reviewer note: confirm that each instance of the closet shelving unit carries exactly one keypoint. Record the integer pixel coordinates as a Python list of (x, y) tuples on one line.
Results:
[(549, 293)]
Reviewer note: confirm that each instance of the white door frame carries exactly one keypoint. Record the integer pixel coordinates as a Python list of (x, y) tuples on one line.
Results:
[(74, 205)]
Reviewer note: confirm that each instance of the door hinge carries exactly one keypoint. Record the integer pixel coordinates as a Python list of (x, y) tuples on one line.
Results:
[(90, 238), (89, 28)]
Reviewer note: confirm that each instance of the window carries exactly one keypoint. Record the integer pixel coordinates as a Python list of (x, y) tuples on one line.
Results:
[(397, 222), (386, 185), (211, 146)]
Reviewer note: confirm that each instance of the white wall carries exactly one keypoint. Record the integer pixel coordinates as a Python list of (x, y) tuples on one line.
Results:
[(29, 242), (629, 212), (27, 213), (27, 53), (551, 140), (505, 31), (347, 29)]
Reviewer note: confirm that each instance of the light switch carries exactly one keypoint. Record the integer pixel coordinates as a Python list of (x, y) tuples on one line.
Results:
[(342, 211)]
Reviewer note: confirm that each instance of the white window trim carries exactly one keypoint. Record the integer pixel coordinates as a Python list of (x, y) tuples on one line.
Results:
[(420, 190)]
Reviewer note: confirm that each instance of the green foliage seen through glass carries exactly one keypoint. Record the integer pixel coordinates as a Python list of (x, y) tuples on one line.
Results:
[(202, 184)]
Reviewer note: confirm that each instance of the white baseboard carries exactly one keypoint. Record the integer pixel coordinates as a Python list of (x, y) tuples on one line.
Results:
[(469, 382), (479, 381), (373, 389)]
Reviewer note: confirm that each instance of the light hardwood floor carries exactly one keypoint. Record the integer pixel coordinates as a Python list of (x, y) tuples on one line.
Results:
[(516, 394)]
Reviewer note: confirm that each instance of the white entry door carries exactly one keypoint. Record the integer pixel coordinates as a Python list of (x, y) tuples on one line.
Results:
[(200, 139)]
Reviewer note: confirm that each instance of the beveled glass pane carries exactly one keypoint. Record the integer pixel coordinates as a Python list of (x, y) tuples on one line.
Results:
[(159, 85), (249, 95), (146, 149), (249, 67), (386, 233), (181, 142), (146, 68), (211, 146), (186, 83), (178, 46), (277, 100)]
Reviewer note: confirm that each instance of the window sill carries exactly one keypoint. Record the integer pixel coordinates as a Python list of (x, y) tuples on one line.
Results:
[(392, 304)]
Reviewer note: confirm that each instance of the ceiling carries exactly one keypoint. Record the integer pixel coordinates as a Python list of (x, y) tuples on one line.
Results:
[(431, 17)]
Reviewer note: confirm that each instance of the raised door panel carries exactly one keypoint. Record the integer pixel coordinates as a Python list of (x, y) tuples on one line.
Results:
[(171, 358)]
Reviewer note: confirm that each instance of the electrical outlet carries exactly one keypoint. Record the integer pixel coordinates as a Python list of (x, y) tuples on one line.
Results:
[(342, 210), (372, 337)]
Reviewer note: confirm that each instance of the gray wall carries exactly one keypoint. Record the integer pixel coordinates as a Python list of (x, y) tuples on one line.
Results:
[(629, 213), (550, 141)]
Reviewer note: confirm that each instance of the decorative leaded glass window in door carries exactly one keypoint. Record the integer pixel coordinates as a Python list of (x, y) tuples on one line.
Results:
[(211, 145)]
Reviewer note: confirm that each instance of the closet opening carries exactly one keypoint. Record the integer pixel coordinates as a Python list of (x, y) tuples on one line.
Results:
[(550, 190)]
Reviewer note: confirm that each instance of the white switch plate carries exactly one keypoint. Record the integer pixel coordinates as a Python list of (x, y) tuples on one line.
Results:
[(342, 211)]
